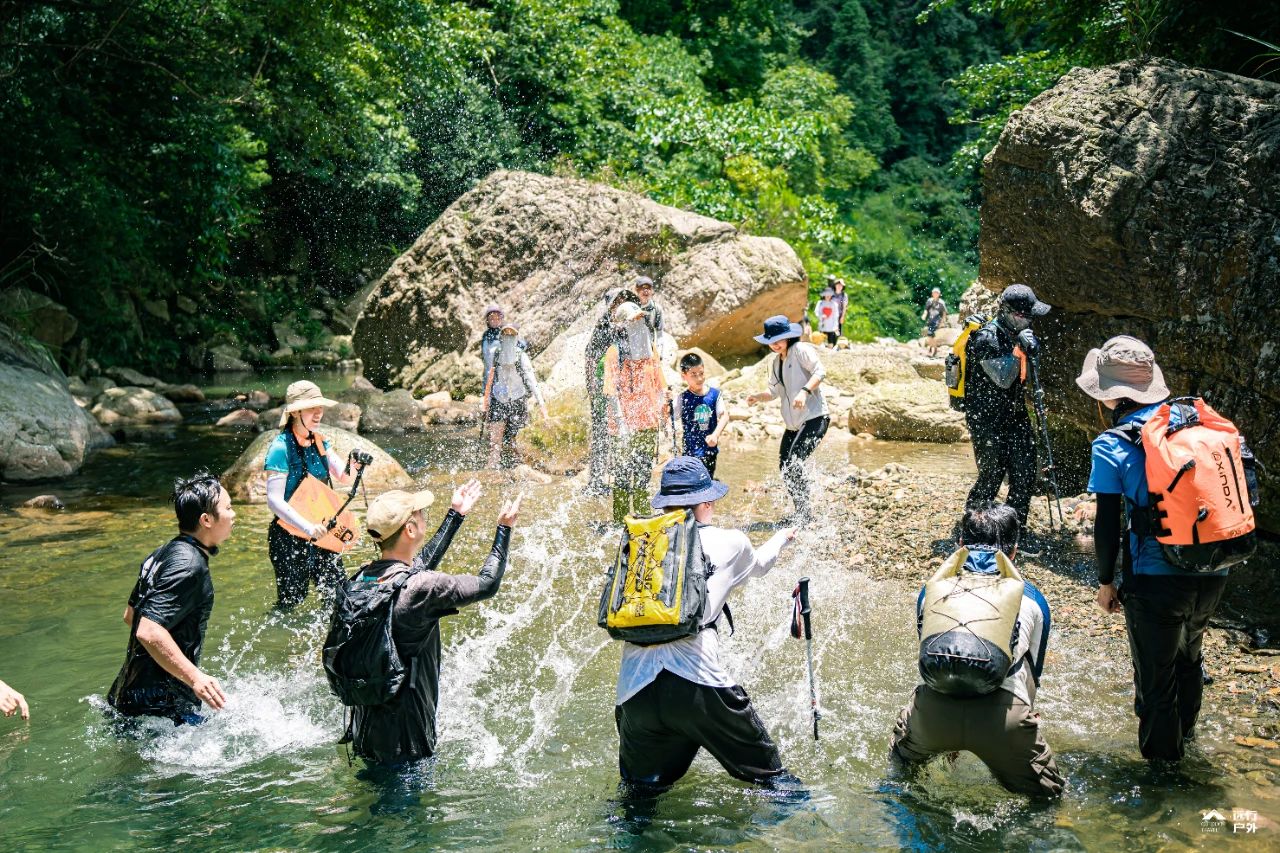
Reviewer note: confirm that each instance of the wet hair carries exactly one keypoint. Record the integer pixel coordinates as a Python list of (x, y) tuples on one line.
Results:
[(994, 524), (193, 497), (689, 361)]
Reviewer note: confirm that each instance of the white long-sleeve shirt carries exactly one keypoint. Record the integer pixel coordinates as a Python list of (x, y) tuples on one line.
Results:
[(697, 658)]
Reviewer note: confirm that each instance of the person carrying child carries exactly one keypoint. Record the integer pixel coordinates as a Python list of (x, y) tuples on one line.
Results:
[(703, 414)]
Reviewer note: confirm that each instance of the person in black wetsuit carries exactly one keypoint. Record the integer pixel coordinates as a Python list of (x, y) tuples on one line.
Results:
[(995, 406), (169, 609), (404, 730)]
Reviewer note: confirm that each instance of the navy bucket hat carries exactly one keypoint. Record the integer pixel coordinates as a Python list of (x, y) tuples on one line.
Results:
[(779, 328), (685, 482)]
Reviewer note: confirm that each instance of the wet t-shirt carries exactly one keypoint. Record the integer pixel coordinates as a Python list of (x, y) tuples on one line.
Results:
[(175, 590)]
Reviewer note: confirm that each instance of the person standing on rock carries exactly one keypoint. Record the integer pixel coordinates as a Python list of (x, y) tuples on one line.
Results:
[(169, 609), (633, 383), (934, 314), (795, 377), (652, 311), (603, 336), (1166, 608), (842, 302), (995, 406), (509, 384), (293, 454)]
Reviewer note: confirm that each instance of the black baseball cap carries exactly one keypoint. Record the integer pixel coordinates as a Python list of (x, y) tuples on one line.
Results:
[(1022, 299)]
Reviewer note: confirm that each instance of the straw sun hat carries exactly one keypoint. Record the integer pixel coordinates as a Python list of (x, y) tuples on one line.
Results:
[(303, 394)]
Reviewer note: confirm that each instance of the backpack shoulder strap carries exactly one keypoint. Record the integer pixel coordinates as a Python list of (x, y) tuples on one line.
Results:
[(1130, 432)]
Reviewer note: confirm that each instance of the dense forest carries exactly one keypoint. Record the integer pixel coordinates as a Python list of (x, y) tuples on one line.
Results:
[(241, 161)]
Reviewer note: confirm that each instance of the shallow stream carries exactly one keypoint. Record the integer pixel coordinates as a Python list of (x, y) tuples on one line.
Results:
[(527, 756)]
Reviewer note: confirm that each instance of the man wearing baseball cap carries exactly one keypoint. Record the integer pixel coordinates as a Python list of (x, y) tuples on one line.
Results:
[(404, 730), (676, 697), (995, 404)]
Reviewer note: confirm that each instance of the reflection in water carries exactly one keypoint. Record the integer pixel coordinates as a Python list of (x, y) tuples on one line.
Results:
[(528, 749)]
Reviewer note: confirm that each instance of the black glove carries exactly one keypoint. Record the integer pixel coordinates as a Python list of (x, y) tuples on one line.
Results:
[(1028, 342)]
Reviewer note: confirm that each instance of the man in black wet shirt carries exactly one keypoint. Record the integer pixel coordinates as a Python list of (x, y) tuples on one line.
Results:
[(169, 609), (404, 729)]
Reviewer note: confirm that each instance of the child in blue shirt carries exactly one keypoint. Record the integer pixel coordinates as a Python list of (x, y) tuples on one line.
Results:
[(703, 415)]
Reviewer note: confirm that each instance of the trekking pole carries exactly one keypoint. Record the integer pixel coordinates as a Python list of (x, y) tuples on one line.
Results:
[(1042, 421), (675, 443), (800, 622)]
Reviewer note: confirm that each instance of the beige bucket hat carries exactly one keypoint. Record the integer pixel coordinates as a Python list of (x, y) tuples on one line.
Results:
[(1124, 367), (390, 510), (303, 394)]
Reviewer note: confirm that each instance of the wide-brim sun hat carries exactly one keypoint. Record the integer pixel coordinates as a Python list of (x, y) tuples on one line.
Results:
[(390, 510), (686, 482), (1123, 368), (779, 328), (303, 394)]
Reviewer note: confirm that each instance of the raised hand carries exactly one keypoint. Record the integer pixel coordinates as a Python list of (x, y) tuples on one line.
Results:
[(465, 496), (510, 511)]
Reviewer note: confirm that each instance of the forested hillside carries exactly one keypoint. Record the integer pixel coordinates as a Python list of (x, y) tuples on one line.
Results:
[(226, 163)]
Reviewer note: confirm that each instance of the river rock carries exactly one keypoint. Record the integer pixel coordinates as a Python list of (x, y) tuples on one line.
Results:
[(395, 411), (1142, 198), (44, 434), (37, 315), (186, 393), (129, 376), (438, 400), (226, 358), (127, 405), (247, 482), (548, 248), (558, 444), (239, 419), (44, 502)]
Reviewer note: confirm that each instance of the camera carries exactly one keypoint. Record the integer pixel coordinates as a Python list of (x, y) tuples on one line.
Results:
[(360, 457)]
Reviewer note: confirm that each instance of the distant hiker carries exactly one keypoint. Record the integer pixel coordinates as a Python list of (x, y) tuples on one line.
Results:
[(983, 633), (402, 590), (644, 288), (493, 320), (674, 696), (703, 414), (995, 406), (842, 302), (794, 377), (508, 387), (934, 314), (634, 385), (12, 702), (603, 336), (169, 609), (299, 451), (828, 313), (1169, 591)]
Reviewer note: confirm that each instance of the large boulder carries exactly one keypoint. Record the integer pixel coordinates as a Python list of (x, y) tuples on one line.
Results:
[(1142, 198), (246, 481), (128, 406), (37, 315), (44, 434), (548, 249)]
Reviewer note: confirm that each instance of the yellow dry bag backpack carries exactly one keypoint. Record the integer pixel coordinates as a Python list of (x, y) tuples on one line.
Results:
[(954, 365), (968, 627), (657, 589)]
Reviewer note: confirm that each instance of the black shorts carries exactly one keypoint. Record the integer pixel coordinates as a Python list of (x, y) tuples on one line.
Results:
[(661, 729), (514, 414)]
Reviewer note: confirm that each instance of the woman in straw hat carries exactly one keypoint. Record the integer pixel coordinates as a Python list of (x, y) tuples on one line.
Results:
[(296, 452)]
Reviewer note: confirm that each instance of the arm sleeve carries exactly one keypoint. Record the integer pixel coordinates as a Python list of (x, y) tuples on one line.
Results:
[(428, 595), (277, 458), (773, 382), (433, 552), (336, 463), (174, 592), (1108, 530), (279, 506)]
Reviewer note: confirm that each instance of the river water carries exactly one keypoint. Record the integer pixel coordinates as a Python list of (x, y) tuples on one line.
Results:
[(527, 754)]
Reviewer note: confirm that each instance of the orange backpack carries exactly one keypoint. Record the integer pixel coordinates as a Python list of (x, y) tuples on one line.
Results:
[(1201, 481)]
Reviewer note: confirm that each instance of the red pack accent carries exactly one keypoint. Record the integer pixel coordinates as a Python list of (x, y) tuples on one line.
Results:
[(1195, 476)]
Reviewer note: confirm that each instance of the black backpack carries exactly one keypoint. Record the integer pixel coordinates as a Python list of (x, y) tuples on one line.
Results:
[(360, 656)]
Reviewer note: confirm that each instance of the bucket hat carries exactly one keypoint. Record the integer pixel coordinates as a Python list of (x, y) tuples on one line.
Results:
[(390, 510), (493, 308), (644, 281), (303, 394), (1124, 367), (686, 482), (778, 328), (1022, 299)]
